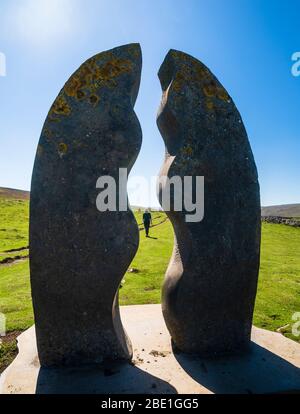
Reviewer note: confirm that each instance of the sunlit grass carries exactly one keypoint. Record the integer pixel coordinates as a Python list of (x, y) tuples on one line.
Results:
[(278, 295)]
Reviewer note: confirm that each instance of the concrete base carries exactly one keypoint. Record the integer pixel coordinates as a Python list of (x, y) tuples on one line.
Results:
[(271, 366)]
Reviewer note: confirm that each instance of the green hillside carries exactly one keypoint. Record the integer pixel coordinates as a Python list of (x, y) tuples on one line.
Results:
[(278, 295)]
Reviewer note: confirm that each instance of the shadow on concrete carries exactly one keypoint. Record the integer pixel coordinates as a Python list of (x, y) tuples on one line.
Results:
[(122, 378), (258, 371)]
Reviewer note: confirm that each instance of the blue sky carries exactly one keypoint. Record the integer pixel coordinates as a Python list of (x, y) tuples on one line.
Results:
[(247, 44)]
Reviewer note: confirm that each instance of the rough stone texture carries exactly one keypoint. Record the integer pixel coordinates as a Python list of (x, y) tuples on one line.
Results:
[(79, 255), (210, 284), (273, 365)]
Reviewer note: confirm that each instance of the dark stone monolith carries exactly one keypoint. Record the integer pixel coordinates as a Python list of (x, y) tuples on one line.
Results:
[(78, 254), (210, 284)]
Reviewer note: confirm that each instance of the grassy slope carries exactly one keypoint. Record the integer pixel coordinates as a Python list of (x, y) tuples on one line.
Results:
[(15, 298), (151, 260), (279, 284), (279, 279), (15, 301), (13, 224)]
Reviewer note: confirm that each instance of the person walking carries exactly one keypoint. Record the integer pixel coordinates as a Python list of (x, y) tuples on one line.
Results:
[(147, 220)]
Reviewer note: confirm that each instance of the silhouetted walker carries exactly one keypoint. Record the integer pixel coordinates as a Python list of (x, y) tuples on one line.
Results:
[(147, 220)]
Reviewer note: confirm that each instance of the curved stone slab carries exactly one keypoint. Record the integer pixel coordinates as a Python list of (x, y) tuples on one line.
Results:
[(210, 284), (79, 255)]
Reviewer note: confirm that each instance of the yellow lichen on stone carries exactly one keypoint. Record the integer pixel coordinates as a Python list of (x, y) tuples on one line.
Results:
[(134, 51), (80, 94), (222, 94), (180, 79), (176, 85), (61, 106), (210, 90), (112, 69), (47, 133), (187, 150), (92, 76), (94, 99), (62, 148), (200, 72), (209, 104), (83, 78)]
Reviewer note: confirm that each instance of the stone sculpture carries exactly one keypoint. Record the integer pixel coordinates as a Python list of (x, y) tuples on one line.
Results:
[(211, 281), (78, 255)]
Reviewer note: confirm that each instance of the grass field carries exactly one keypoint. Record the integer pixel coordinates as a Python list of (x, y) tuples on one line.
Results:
[(13, 224), (277, 300)]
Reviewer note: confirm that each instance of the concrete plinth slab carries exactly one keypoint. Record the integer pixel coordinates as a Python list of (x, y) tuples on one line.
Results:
[(272, 365)]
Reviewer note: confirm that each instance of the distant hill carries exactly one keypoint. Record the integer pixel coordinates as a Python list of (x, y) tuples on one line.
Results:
[(284, 210), (13, 193), (142, 208)]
